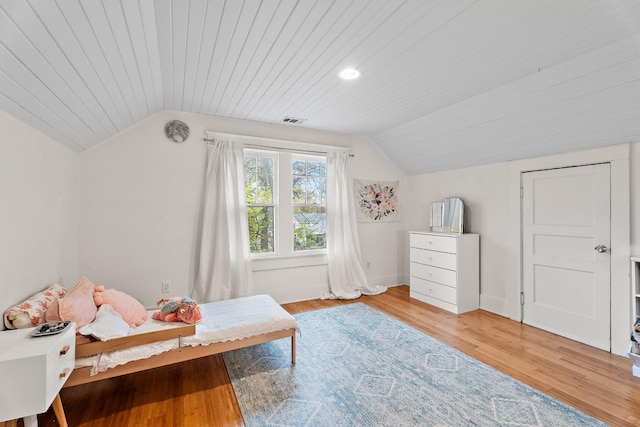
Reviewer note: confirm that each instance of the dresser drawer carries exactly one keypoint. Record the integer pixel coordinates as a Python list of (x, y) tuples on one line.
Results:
[(434, 290), (433, 242), (434, 258), (60, 362), (63, 350), (434, 274), (56, 378)]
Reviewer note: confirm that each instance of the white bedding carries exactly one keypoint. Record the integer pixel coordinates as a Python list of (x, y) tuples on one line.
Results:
[(228, 320)]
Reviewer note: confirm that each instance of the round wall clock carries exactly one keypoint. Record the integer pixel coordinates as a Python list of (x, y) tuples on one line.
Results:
[(176, 131)]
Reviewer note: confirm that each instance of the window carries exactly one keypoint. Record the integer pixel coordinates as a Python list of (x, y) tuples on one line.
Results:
[(260, 196), (309, 181), (286, 202)]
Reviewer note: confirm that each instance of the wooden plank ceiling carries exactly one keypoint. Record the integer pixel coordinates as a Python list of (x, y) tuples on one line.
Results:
[(444, 84)]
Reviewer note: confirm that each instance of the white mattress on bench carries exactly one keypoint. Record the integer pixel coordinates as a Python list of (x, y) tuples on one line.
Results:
[(227, 320)]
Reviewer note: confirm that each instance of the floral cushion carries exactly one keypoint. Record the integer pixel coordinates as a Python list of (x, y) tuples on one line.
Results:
[(32, 312)]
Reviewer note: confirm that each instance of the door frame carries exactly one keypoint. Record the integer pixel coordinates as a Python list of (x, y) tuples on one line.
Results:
[(618, 157)]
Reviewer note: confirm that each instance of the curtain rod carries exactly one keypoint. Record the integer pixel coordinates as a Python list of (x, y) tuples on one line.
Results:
[(295, 150)]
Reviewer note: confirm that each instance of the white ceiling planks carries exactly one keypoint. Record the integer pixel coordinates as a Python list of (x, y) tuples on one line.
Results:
[(269, 39), (208, 43), (294, 43), (179, 27), (95, 81), (22, 56), (349, 48), (444, 83), (375, 53), (246, 53), (244, 34), (396, 74), (43, 52), (193, 43), (551, 111), (82, 49), (59, 47), (140, 43), (307, 46), (534, 93), (36, 105), (121, 46), (325, 52), (113, 98), (226, 28)]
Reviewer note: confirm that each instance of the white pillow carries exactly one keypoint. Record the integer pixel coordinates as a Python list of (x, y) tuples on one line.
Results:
[(108, 324)]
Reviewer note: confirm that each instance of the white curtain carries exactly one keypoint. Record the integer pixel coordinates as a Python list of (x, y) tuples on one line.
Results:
[(224, 270), (347, 279)]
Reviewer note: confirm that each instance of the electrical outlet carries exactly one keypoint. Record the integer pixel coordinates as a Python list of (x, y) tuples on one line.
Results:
[(166, 286)]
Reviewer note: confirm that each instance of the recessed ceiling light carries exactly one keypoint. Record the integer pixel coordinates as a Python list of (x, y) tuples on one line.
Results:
[(349, 74)]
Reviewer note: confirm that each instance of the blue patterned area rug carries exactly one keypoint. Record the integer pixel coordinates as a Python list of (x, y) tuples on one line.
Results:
[(359, 367)]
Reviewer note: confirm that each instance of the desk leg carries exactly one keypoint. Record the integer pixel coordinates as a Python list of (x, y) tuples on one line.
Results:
[(30, 421), (59, 411), (11, 423)]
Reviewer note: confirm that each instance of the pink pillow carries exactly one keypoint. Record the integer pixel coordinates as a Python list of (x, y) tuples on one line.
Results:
[(129, 308), (76, 305)]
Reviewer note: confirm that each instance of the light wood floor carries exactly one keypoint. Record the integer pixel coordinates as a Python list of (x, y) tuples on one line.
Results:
[(198, 393)]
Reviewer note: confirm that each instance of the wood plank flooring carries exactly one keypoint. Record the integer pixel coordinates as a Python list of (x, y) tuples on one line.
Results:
[(198, 393)]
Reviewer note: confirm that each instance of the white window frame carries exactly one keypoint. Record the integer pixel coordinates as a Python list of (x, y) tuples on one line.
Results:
[(271, 263), (276, 197), (305, 157), (283, 205)]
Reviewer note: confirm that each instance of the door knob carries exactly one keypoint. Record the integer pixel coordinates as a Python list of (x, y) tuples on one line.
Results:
[(601, 248)]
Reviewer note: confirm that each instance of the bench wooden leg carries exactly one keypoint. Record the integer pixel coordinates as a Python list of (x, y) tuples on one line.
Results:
[(59, 411), (293, 348)]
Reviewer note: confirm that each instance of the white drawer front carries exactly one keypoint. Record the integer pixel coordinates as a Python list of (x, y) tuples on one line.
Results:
[(433, 242), (57, 378), (60, 362), (63, 351), (434, 274), (434, 290), (434, 258)]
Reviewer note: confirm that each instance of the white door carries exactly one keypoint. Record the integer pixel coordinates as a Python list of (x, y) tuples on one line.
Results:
[(566, 257)]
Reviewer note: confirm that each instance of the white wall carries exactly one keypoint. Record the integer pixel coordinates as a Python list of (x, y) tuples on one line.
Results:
[(136, 200), (490, 195), (140, 198), (38, 219), (484, 190)]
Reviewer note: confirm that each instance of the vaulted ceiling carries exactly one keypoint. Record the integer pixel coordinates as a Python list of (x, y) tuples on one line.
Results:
[(444, 83)]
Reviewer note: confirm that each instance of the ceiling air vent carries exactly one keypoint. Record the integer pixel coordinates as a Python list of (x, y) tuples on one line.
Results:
[(292, 120)]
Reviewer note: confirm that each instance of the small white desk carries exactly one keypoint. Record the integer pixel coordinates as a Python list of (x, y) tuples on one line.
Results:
[(33, 370)]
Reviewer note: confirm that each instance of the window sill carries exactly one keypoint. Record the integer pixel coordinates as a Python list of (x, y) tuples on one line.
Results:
[(294, 261)]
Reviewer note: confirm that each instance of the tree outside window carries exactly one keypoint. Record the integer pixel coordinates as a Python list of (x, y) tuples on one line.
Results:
[(259, 193), (309, 183), (286, 202)]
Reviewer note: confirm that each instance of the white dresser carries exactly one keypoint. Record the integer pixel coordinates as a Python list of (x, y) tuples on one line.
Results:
[(33, 370), (445, 270)]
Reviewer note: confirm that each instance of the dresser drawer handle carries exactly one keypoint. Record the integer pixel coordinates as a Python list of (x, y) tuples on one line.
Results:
[(64, 350), (64, 372)]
